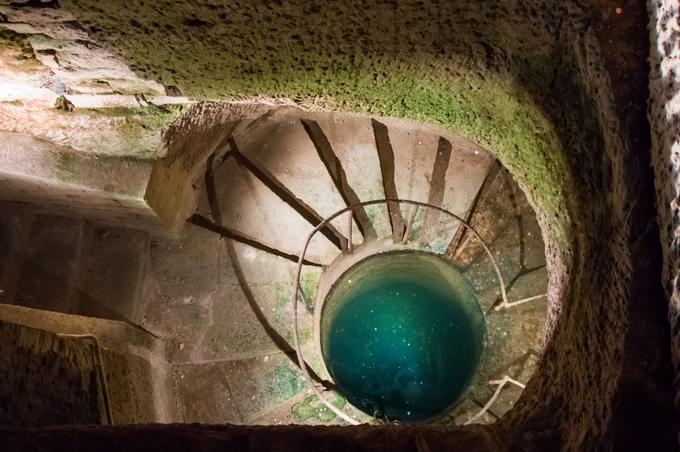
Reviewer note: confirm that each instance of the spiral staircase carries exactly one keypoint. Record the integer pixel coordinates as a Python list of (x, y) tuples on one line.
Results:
[(220, 298), (232, 314)]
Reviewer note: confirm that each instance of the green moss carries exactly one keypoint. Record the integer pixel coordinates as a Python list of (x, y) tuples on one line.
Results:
[(309, 283), (313, 408), (135, 122), (283, 382), (306, 335), (10, 39), (66, 171), (491, 110), (283, 294), (490, 80)]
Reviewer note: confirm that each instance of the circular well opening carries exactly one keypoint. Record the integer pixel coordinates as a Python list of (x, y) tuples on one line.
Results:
[(402, 335)]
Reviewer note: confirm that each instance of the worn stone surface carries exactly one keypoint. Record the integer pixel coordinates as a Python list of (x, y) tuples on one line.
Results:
[(69, 265), (245, 389), (57, 180), (77, 127), (664, 114), (43, 262), (249, 206), (114, 287), (47, 54)]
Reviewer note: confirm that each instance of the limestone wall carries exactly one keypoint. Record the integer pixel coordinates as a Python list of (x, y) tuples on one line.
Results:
[(664, 116), (78, 129)]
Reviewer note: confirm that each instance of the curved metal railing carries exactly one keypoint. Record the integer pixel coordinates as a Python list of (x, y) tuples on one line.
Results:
[(349, 249)]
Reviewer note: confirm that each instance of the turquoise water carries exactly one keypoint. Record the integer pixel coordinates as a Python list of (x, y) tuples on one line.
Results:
[(402, 335)]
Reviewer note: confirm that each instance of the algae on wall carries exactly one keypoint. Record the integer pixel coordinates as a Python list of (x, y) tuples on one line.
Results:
[(12, 40), (485, 70)]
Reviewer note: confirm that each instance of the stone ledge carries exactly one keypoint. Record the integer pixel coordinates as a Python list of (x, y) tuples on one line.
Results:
[(55, 179), (182, 437)]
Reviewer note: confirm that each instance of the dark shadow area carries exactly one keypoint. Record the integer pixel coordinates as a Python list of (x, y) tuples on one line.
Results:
[(386, 157), (337, 173)]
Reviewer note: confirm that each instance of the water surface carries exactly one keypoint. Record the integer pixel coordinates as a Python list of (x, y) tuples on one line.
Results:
[(402, 335)]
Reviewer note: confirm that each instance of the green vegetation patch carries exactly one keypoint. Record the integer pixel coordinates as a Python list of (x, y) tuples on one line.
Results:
[(137, 121), (283, 382), (312, 408), (10, 39), (309, 284)]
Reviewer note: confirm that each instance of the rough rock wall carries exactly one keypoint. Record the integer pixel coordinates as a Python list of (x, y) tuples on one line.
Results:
[(47, 380), (58, 85), (78, 129), (52, 373), (664, 116), (555, 89)]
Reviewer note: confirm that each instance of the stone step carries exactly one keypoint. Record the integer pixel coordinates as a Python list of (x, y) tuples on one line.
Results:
[(249, 206), (236, 392), (438, 168), (351, 139), (298, 154), (508, 225)]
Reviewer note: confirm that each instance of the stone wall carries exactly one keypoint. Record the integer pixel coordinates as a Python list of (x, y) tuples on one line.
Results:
[(664, 116), (47, 380), (70, 265), (78, 129), (60, 369)]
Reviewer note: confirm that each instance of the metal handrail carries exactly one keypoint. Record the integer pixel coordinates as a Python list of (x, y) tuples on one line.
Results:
[(99, 364), (301, 259)]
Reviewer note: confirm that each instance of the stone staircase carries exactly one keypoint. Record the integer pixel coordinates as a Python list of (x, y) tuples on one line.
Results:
[(220, 295), (276, 183)]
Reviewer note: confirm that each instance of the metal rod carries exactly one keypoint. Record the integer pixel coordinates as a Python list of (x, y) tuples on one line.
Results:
[(349, 232), (99, 363), (506, 305), (501, 383), (225, 232)]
